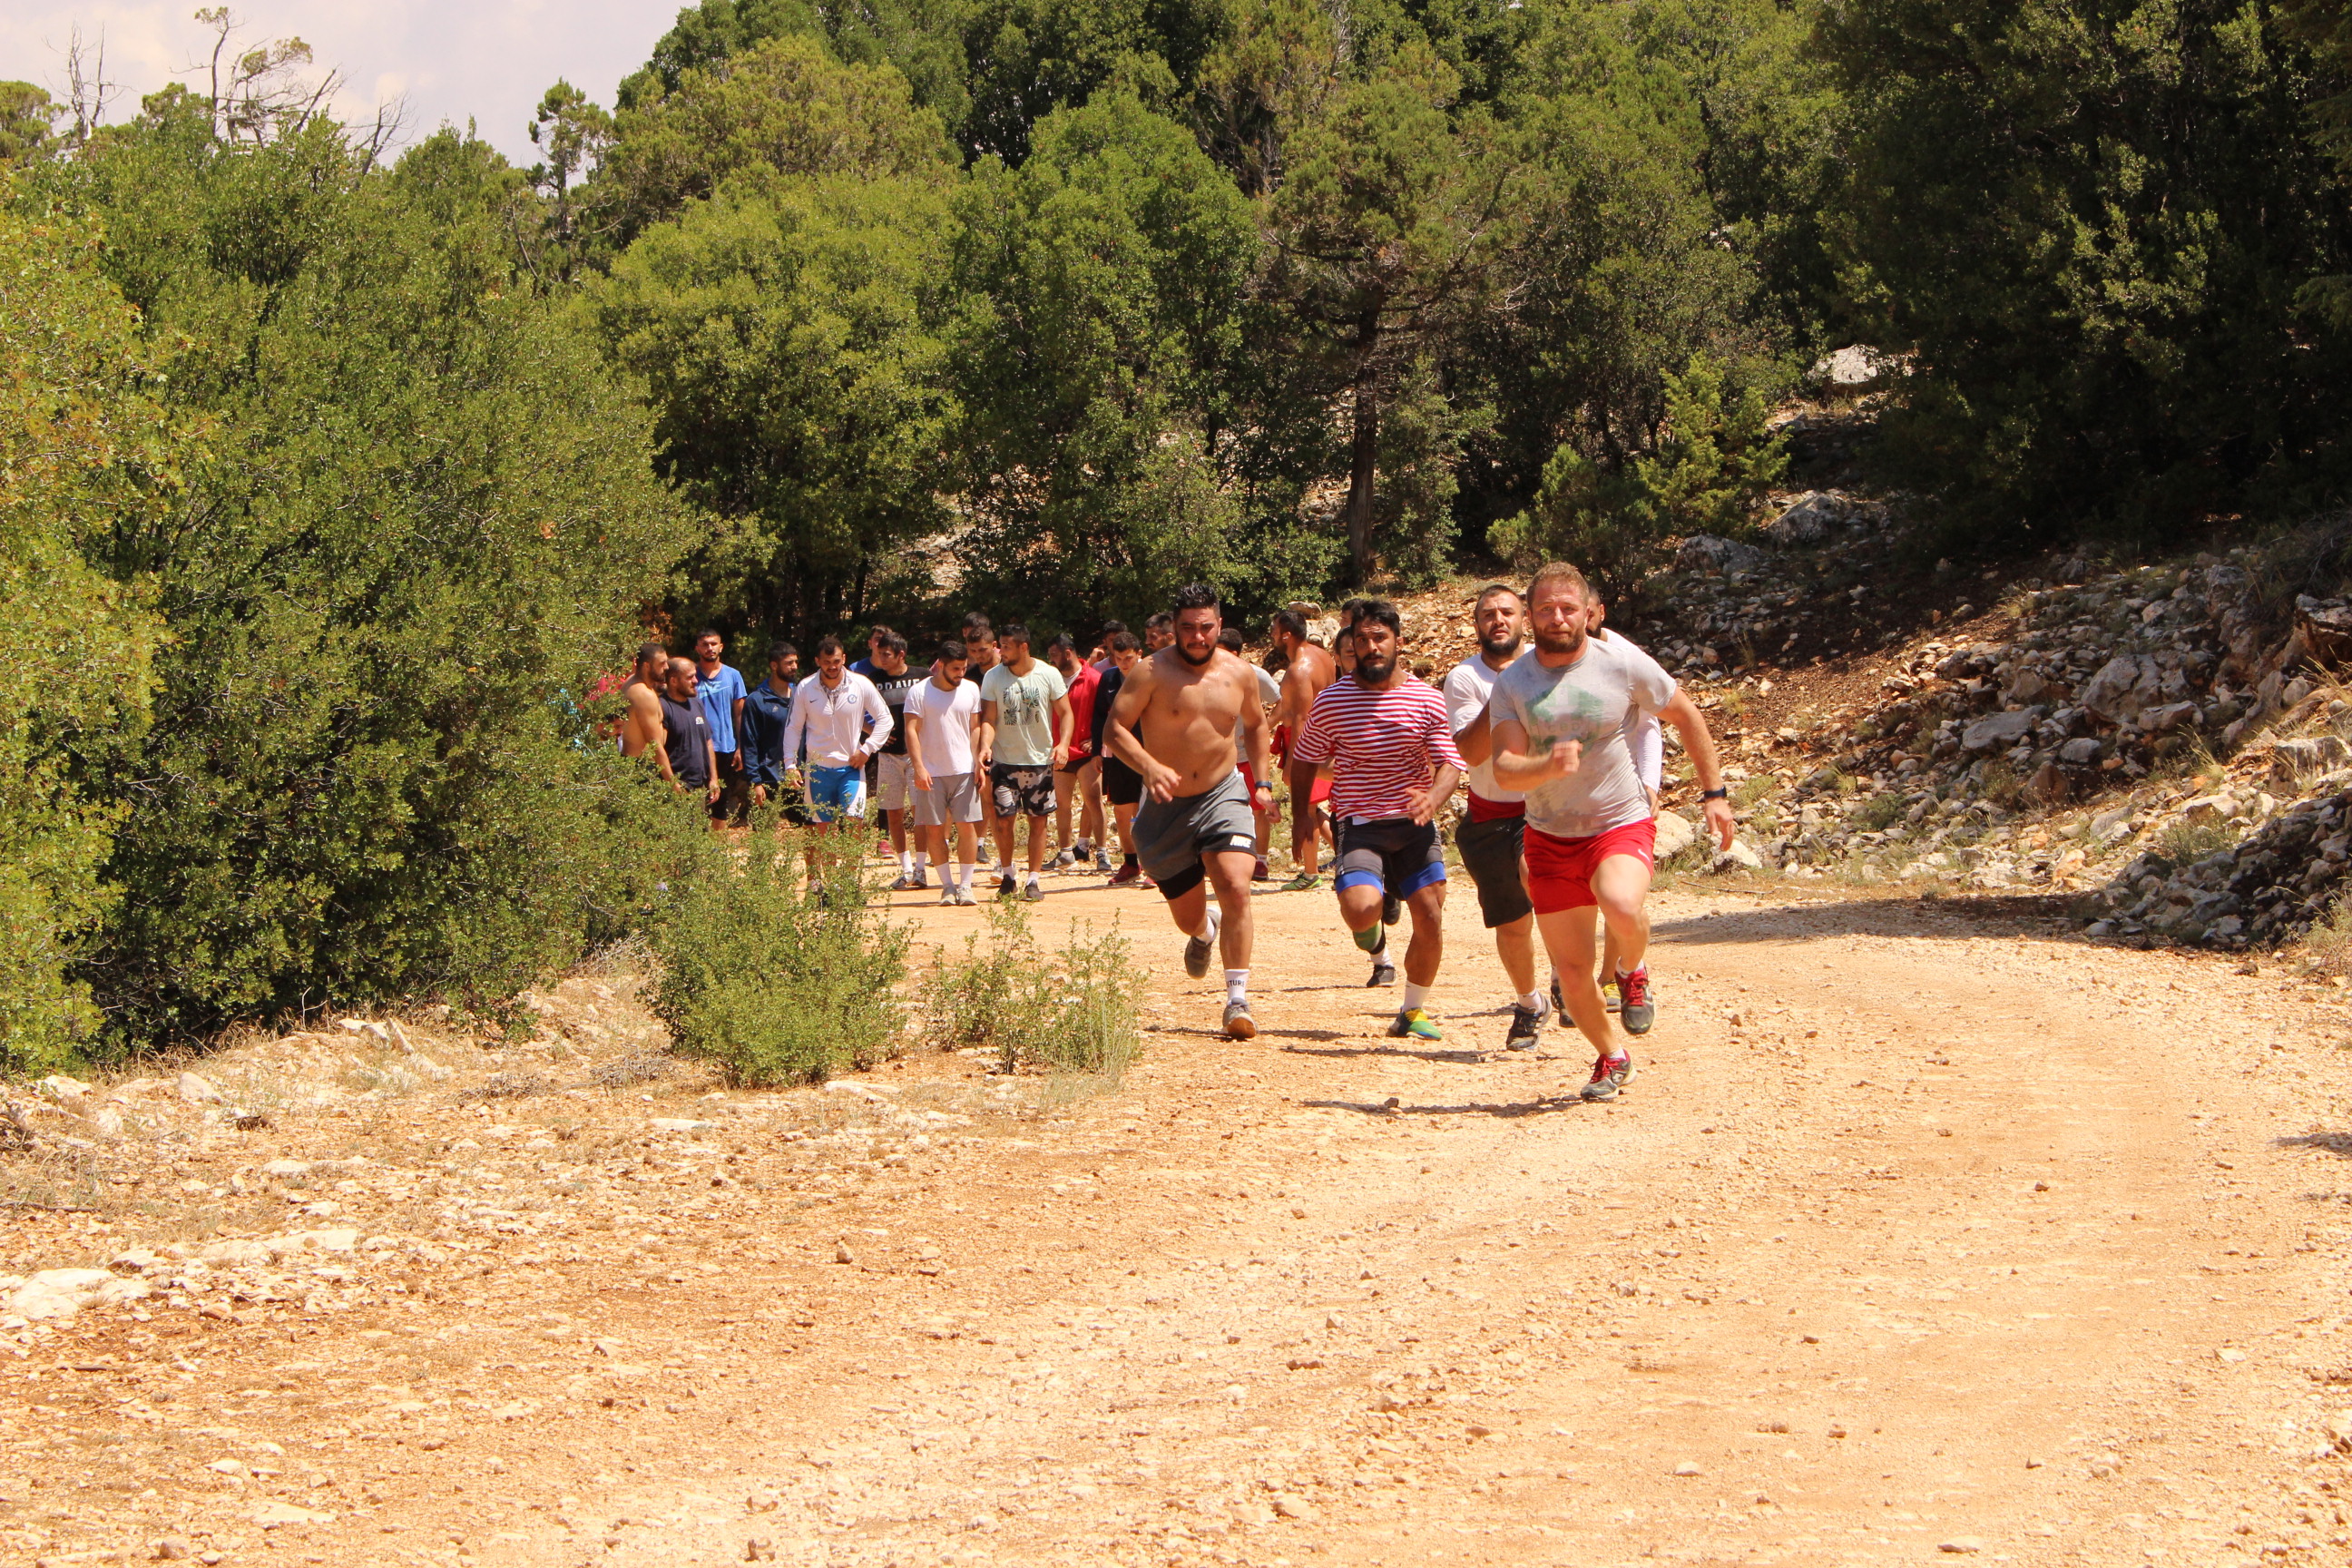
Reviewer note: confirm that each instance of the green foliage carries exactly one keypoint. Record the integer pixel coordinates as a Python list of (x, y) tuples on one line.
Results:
[(2094, 220), (786, 107), (1076, 1013), (789, 331), (1104, 324), (1711, 466), (82, 442), (775, 984), (427, 519), (27, 121)]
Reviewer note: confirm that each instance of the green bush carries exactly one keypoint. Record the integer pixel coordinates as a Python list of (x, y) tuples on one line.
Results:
[(1076, 1013), (773, 984), (427, 525)]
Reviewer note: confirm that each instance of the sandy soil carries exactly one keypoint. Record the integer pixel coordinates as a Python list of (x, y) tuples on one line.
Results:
[(1920, 1237)]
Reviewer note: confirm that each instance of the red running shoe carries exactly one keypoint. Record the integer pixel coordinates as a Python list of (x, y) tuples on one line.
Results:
[(1636, 1011)]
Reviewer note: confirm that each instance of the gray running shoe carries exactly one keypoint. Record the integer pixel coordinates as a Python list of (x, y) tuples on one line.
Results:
[(1033, 893), (1382, 974), (1102, 862), (947, 894), (965, 897), (1636, 1011), (1196, 955), (906, 883), (1062, 860), (1238, 1022), (1610, 1074), (1526, 1026)]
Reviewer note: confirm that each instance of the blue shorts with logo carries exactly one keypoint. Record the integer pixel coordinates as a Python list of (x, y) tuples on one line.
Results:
[(836, 793)]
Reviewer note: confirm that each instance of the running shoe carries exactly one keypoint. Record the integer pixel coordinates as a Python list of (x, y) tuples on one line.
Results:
[(1238, 1022), (1639, 1011), (1414, 1022), (1127, 875), (922, 876), (1382, 974), (1062, 860), (1263, 873), (1102, 862), (1033, 893), (1306, 882), (906, 883), (1610, 1074), (1558, 1003), (1006, 887), (965, 897), (1527, 1026), (1390, 910), (947, 895), (1610, 997), (1196, 954)]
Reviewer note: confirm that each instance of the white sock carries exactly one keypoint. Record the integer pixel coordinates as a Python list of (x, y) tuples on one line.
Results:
[(1033, 879), (1236, 985), (963, 875), (1532, 1001), (1414, 995), (1208, 932), (905, 864), (1380, 955), (922, 861), (1622, 972)]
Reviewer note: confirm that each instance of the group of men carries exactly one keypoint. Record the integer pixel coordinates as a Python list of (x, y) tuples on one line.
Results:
[(1167, 741)]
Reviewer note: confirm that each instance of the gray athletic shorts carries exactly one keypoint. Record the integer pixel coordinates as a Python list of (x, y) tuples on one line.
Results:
[(1171, 837), (952, 797), (893, 781)]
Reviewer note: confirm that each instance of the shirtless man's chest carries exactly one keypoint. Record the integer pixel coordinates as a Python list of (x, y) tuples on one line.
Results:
[(1188, 724)]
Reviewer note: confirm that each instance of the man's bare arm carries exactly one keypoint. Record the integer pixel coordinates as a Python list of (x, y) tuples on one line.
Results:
[(1514, 769), (1257, 734), (1134, 696), (985, 739), (1061, 720), (1475, 740), (1691, 725), (1426, 803)]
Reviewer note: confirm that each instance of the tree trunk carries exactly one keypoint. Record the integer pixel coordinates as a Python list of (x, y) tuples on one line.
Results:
[(1363, 469)]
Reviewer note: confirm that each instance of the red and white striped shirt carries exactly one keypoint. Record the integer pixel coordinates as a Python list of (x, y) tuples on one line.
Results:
[(1383, 743)]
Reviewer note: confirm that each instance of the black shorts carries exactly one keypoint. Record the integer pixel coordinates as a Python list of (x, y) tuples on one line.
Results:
[(1078, 764), (733, 806), (1490, 853), (1121, 784), (1018, 790), (1397, 855)]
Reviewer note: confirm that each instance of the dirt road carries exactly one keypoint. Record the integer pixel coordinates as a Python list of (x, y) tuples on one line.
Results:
[(1918, 1238)]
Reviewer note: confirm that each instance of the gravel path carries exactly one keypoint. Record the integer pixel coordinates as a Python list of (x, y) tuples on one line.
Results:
[(1918, 1238)]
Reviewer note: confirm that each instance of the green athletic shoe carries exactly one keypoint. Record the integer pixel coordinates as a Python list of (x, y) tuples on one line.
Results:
[(1413, 1021), (1305, 882)]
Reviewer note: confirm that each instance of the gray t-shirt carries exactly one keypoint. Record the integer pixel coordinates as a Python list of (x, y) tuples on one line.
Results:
[(1587, 701), (1024, 712)]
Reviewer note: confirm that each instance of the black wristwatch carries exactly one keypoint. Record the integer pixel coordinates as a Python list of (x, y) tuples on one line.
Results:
[(1724, 793)]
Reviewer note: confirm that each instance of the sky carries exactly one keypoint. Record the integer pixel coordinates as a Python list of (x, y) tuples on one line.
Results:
[(487, 60)]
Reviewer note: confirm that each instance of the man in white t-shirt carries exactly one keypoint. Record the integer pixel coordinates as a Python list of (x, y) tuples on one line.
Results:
[(1558, 727), (942, 718), (1493, 832), (1024, 704)]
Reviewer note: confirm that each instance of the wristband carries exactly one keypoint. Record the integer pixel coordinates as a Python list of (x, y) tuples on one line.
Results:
[(1724, 793)]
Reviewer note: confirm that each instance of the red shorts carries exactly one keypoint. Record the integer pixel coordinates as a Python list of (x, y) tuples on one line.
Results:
[(1559, 870), (1321, 793)]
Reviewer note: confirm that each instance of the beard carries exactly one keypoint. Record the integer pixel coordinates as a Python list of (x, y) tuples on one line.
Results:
[(1186, 654), (1501, 647), (1562, 642), (1371, 671)]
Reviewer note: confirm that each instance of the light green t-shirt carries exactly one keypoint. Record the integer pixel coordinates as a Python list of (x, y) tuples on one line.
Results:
[(1024, 712)]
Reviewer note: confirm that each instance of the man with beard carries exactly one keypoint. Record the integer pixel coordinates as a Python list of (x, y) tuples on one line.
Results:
[(1394, 766), (688, 762), (1493, 832), (641, 725), (1174, 722), (720, 685), (1559, 727), (892, 773), (1308, 670)]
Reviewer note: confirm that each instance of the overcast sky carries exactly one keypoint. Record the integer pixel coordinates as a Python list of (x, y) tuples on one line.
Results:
[(487, 60)]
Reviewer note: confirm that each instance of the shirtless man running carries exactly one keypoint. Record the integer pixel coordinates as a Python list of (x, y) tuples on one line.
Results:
[(1310, 671), (1175, 722)]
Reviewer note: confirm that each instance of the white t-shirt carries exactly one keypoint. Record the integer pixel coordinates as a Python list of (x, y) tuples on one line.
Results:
[(1467, 686), (947, 716), (1589, 701), (1644, 737)]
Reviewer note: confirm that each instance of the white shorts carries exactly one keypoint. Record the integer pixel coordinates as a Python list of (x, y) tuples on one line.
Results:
[(894, 784), (952, 797)]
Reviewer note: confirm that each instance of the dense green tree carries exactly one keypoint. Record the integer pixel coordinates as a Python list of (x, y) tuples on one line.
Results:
[(426, 522), (2093, 220), (784, 105), (1102, 353), (1391, 213), (27, 121), (788, 331), (573, 134), (83, 446)]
